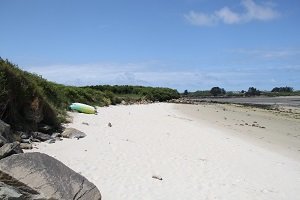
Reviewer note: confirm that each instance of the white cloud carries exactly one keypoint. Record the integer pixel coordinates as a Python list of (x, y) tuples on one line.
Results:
[(200, 19), (252, 11), (270, 53), (228, 16)]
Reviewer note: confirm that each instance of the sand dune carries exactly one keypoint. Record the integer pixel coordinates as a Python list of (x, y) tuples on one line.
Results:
[(196, 157)]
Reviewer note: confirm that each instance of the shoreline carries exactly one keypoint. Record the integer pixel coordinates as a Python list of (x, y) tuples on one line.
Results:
[(193, 158), (262, 127)]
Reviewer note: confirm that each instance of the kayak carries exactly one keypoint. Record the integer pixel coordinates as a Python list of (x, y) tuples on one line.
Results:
[(80, 107)]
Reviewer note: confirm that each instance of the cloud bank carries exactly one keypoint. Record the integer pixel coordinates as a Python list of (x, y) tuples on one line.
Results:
[(252, 11)]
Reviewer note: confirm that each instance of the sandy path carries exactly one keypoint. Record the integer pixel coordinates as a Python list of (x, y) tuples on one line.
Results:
[(195, 160)]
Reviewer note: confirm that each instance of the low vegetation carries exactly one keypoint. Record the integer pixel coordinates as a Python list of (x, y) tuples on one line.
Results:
[(252, 91), (27, 99)]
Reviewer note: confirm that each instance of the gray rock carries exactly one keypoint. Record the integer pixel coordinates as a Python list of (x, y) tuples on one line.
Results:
[(28, 141), (35, 140), (23, 135), (10, 149), (55, 135), (5, 130), (51, 141), (73, 133), (49, 177), (25, 146), (2, 141), (41, 136), (11, 188)]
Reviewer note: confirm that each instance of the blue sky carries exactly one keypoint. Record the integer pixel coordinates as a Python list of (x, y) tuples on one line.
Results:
[(182, 44)]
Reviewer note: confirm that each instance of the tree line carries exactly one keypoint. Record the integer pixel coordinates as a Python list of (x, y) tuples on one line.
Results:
[(252, 91)]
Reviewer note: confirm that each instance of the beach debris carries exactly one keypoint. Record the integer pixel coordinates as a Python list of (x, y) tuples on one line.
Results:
[(157, 177), (85, 123), (109, 124)]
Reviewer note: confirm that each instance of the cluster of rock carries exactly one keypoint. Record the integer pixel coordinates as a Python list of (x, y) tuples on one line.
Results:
[(38, 176), (137, 102), (184, 101)]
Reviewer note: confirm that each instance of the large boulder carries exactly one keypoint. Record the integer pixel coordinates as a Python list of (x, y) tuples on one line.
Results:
[(73, 133), (10, 149), (49, 177)]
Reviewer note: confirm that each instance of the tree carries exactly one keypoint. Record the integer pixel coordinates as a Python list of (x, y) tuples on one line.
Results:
[(282, 89), (252, 91), (186, 92), (215, 91)]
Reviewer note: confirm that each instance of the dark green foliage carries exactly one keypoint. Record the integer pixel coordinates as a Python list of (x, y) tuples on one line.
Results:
[(282, 89), (215, 91), (146, 93), (23, 95), (185, 92), (252, 91)]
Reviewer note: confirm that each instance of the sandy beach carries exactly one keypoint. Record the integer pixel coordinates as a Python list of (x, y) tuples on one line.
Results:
[(207, 151)]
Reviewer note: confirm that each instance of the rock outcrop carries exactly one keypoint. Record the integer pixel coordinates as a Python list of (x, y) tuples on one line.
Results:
[(48, 177)]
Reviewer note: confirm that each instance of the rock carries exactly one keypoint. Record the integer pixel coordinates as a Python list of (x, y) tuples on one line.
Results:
[(85, 123), (55, 135), (109, 124), (73, 133), (123, 102), (5, 130), (44, 128), (35, 140), (23, 135), (28, 141), (10, 188), (10, 149), (15, 192), (49, 177), (2, 141), (41, 136), (51, 141), (25, 146)]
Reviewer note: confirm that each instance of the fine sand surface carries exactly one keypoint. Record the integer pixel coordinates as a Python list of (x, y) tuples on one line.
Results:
[(197, 154)]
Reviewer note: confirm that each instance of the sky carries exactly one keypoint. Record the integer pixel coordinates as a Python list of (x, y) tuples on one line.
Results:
[(181, 44)]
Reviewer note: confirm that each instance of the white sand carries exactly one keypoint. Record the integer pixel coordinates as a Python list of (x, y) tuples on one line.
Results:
[(195, 160)]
